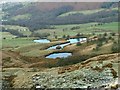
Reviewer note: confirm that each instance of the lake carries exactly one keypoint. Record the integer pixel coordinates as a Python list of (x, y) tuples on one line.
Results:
[(75, 40), (59, 55)]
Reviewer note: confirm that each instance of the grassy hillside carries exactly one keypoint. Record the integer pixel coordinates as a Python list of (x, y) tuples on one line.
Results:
[(23, 30), (93, 62), (42, 15), (86, 12), (7, 35), (20, 17), (95, 71)]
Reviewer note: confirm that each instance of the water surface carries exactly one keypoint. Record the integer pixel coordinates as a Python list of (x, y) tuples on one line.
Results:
[(59, 55), (42, 41), (76, 40), (71, 41)]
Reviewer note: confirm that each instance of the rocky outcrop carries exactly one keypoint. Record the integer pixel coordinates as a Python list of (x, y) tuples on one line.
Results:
[(91, 74), (96, 72)]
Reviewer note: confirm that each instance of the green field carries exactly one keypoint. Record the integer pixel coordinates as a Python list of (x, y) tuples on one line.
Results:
[(110, 26), (61, 30), (74, 25), (66, 30), (17, 42), (29, 48), (107, 26)]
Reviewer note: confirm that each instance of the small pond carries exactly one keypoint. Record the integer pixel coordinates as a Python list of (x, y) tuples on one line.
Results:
[(59, 55), (76, 40), (71, 41), (42, 41)]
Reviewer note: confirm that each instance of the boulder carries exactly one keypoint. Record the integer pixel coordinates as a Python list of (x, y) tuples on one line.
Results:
[(58, 47)]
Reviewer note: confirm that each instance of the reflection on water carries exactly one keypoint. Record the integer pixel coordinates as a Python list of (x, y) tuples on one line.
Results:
[(59, 55), (71, 41), (42, 41), (76, 40)]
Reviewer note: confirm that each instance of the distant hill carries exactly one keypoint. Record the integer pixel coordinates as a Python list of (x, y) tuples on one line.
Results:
[(43, 14), (52, 5)]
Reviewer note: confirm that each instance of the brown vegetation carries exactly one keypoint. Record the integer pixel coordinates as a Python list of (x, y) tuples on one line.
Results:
[(88, 62)]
